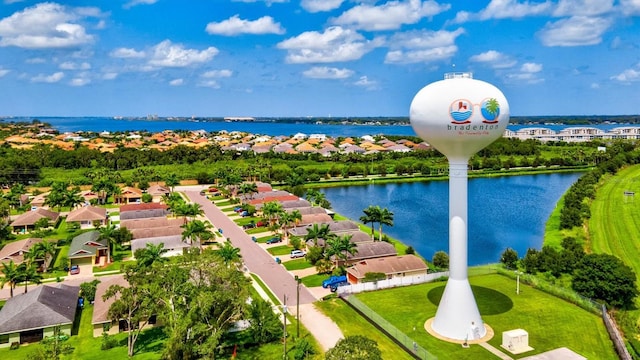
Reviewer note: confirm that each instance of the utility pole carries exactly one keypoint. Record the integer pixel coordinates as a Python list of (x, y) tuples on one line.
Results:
[(298, 305), (284, 315)]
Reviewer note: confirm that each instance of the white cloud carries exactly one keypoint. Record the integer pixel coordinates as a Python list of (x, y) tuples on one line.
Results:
[(583, 7), (364, 82), (628, 75), (109, 75), (390, 15), (80, 81), (68, 65), (133, 3), (46, 25), (12, 1), (267, 2), (528, 73), (235, 26), (324, 72), (36, 61), (176, 82), (594, 86), (505, 9), (630, 7), (494, 59), (574, 31), (53, 78), (127, 53), (167, 54), (334, 44), (209, 83), (422, 46), (314, 6), (224, 73), (4, 72), (531, 68)]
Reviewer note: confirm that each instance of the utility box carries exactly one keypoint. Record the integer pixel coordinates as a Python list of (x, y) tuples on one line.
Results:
[(516, 341)]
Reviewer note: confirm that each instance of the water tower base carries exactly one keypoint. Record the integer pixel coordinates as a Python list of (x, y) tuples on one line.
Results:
[(487, 336)]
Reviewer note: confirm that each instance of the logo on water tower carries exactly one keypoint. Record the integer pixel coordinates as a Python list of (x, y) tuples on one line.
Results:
[(461, 111)]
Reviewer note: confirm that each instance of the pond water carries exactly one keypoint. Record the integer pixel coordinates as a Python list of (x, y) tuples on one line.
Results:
[(509, 211)]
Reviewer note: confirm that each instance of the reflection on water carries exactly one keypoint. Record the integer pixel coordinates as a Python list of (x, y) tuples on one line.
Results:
[(509, 211)]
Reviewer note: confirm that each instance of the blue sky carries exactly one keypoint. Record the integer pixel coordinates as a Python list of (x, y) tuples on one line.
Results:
[(312, 57)]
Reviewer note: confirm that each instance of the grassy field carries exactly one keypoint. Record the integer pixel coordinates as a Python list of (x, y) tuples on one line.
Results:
[(615, 218), (550, 322)]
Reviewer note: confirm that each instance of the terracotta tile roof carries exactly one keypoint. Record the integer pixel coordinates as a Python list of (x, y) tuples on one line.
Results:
[(273, 198), (87, 213), (156, 232), (315, 219), (16, 249), (150, 223), (143, 206)]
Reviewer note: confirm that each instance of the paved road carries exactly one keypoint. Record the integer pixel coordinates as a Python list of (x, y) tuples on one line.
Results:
[(257, 260)]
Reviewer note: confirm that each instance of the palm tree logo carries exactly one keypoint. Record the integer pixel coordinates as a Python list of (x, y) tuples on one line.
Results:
[(490, 110)]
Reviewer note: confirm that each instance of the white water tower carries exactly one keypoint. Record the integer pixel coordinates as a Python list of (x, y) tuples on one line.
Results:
[(459, 116)]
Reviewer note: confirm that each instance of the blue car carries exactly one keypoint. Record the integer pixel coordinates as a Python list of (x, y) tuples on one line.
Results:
[(273, 240)]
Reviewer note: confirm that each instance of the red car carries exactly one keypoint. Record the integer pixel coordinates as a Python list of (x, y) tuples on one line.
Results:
[(75, 269)]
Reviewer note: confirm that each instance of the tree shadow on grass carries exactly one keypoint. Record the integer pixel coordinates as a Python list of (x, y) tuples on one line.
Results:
[(150, 340), (490, 302)]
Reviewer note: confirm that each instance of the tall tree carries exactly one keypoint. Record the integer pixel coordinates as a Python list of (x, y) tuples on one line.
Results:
[(135, 303), (317, 232), (172, 181), (386, 218), (197, 231), (340, 247), (271, 211), (229, 254), (29, 273), (355, 347), (151, 254), (605, 277), (11, 276), (370, 216)]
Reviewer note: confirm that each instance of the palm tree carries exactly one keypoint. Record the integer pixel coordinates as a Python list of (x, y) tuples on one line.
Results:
[(386, 218), (229, 254), (287, 218), (271, 211), (188, 210), (151, 254), (29, 273), (109, 233), (318, 232), (197, 230), (248, 188), (48, 250), (72, 198), (340, 247), (370, 217), (171, 181), (11, 276), (311, 196)]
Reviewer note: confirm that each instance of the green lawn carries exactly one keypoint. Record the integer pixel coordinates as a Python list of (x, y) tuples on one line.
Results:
[(351, 323), (314, 280), (280, 250), (297, 264), (550, 322)]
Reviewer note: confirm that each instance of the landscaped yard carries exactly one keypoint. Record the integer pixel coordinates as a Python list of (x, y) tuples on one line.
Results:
[(297, 264), (550, 322), (280, 250)]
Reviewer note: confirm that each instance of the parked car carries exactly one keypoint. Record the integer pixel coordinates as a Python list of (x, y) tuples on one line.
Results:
[(275, 239), (334, 280), (297, 254), (74, 270)]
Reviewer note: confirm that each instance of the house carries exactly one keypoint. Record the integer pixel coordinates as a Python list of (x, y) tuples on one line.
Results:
[(129, 195), (89, 195), (148, 223), (315, 219), (157, 192), (369, 250), (27, 221), (30, 317), (143, 211), (88, 217), (173, 244), (391, 266), (336, 227), (39, 200), (88, 249), (14, 251)]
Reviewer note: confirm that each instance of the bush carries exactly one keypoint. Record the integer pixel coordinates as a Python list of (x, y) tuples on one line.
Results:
[(108, 342), (441, 260), (410, 250)]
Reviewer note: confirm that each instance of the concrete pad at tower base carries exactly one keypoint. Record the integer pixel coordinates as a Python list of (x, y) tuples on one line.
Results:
[(487, 336), (557, 354)]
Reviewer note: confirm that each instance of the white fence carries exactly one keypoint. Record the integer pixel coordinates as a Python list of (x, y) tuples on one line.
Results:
[(390, 283)]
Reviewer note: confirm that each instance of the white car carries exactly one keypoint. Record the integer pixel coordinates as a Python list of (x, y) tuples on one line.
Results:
[(297, 254)]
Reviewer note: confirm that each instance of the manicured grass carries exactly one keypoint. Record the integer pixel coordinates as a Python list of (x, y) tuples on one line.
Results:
[(614, 226), (257, 230), (314, 280), (351, 323), (297, 264), (550, 322), (553, 235), (280, 250)]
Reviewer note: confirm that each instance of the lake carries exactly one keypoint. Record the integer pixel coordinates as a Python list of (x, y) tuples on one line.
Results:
[(508, 211)]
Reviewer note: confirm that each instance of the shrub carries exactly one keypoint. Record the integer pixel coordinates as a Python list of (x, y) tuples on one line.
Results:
[(441, 260)]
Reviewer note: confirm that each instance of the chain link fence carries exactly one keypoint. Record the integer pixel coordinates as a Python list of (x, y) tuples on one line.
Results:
[(398, 336)]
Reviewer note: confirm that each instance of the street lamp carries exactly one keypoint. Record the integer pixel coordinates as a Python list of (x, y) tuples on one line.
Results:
[(298, 280)]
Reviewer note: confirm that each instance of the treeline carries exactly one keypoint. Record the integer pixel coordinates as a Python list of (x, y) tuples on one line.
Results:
[(582, 192), (26, 165)]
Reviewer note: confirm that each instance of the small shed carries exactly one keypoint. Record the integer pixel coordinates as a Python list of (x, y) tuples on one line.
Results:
[(516, 341)]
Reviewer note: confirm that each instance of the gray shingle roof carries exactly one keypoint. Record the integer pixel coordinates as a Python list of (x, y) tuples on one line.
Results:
[(41, 307), (86, 244)]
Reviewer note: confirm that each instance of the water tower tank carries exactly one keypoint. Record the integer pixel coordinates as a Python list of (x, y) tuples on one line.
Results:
[(459, 115)]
